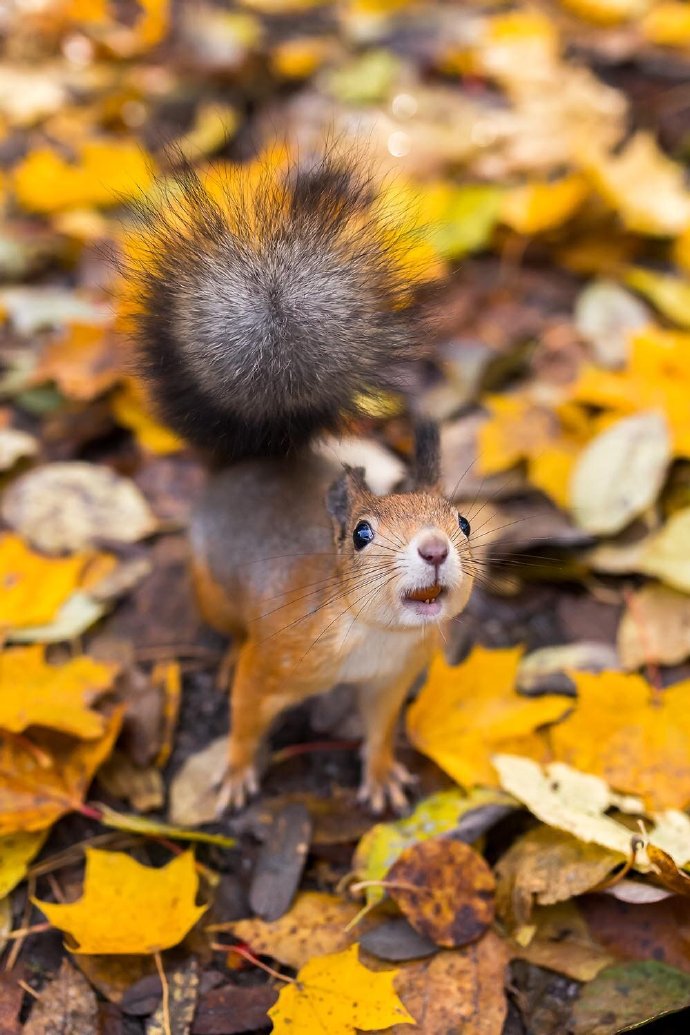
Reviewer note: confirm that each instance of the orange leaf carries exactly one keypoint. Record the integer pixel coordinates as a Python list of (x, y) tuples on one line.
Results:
[(33, 693), (42, 779), (129, 908), (469, 712), (81, 362), (634, 738), (131, 410)]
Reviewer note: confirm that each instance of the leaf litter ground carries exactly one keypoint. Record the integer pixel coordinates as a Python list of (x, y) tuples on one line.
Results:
[(540, 883)]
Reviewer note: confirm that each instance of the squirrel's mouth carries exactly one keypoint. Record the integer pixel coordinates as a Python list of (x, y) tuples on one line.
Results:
[(426, 601)]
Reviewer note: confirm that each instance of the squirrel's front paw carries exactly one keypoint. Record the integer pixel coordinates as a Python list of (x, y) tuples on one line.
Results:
[(236, 789), (380, 791)]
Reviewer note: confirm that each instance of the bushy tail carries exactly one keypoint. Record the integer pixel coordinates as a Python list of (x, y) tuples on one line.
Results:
[(268, 307)]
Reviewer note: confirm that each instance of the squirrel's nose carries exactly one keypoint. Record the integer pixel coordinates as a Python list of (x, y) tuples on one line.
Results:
[(433, 550)]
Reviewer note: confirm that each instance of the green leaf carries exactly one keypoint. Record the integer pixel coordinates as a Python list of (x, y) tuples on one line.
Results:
[(628, 995)]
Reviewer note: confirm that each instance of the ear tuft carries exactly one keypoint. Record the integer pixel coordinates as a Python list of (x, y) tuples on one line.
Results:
[(426, 471)]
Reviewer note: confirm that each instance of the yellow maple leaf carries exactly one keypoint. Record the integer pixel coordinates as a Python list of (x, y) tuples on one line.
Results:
[(607, 12), (16, 852), (636, 739), (34, 587), (338, 994), (129, 908), (105, 172), (466, 713), (542, 205), (132, 410), (644, 186), (657, 377), (47, 777), (33, 693)]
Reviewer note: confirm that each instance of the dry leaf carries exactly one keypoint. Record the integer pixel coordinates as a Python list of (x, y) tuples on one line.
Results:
[(668, 24), (655, 627), (627, 995), (339, 994), (466, 713), (620, 473), (636, 739), (642, 184), (70, 506), (33, 693), (561, 941), (670, 295), (42, 779), (194, 789), (445, 889), (130, 410), (665, 554), (536, 668), (15, 445), (34, 588), (81, 362), (546, 866), (438, 814), (460, 990), (67, 1004), (118, 894), (315, 926), (542, 205), (605, 316)]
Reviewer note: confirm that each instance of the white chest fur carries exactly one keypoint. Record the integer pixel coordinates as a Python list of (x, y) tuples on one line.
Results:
[(371, 653)]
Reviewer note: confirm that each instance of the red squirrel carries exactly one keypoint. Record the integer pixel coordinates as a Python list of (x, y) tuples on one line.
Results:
[(264, 316)]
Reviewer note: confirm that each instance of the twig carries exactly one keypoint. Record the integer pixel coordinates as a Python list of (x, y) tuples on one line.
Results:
[(251, 958)]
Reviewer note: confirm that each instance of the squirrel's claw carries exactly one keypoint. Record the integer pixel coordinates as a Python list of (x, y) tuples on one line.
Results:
[(379, 793), (236, 790)]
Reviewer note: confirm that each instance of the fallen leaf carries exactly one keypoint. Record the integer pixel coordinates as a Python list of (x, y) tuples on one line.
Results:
[(233, 1009), (280, 864), (546, 866), (70, 506), (435, 815), (130, 410), (645, 187), (315, 926), (670, 295), (667, 872), (340, 994), (155, 828), (118, 893), (194, 788), (465, 713), (34, 693), (655, 628), (79, 612), (105, 172), (34, 308), (67, 1004), (605, 316), (445, 889), (459, 990), (627, 995), (533, 208), (395, 941), (16, 852), (571, 801), (141, 786), (561, 940), (647, 931), (607, 12), (15, 445), (81, 362), (461, 219), (620, 473), (665, 554), (48, 776), (668, 24), (636, 740), (34, 588), (537, 669)]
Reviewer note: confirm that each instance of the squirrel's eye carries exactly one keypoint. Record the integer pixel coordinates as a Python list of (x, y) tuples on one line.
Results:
[(362, 534), (464, 525)]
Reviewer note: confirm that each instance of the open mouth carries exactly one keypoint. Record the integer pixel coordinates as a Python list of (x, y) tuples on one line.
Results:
[(425, 601)]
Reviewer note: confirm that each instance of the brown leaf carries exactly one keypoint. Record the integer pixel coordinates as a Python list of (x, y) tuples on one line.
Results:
[(112, 976), (11, 995), (456, 991), (67, 1006), (655, 627), (657, 930), (279, 867), (547, 866), (668, 873), (232, 1010), (183, 990), (561, 941), (445, 889)]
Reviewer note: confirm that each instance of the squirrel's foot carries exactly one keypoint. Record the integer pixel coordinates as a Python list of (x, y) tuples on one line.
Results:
[(378, 792), (236, 789)]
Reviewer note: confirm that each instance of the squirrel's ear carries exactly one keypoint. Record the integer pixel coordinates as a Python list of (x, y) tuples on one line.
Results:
[(340, 495), (426, 470)]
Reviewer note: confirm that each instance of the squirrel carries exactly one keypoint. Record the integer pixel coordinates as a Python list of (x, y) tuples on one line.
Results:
[(267, 309)]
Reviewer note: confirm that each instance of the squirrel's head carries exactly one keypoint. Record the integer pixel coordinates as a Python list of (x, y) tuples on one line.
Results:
[(406, 557)]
